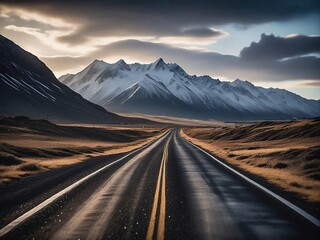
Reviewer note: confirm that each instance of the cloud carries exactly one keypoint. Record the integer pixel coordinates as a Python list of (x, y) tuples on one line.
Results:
[(33, 17), (202, 32), (160, 18), (32, 31), (180, 31), (200, 62), (310, 83), (43, 31), (271, 47), (66, 64), (147, 52)]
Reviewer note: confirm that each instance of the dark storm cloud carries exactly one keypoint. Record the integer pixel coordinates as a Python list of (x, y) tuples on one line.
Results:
[(163, 18), (200, 62), (271, 47), (201, 32), (86, 32), (292, 69)]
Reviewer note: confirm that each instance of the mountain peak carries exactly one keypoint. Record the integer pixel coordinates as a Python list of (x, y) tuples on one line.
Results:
[(159, 60), (97, 61), (97, 64), (159, 64), (121, 64)]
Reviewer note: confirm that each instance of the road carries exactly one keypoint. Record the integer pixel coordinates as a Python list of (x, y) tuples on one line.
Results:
[(168, 189)]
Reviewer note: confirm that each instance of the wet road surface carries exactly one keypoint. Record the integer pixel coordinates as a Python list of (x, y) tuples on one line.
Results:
[(168, 189)]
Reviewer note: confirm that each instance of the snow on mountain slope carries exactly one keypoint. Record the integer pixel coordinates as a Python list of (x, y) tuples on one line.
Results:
[(28, 87), (166, 89)]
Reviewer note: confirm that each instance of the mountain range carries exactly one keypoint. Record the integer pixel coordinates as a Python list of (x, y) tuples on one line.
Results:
[(28, 87), (163, 88)]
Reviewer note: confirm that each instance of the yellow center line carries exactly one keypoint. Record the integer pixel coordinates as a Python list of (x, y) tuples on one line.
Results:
[(161, 181), (154, 208), (162, 217)]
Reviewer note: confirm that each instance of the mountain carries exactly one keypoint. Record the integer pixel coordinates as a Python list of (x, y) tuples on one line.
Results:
[(28, 87), (163, 88)]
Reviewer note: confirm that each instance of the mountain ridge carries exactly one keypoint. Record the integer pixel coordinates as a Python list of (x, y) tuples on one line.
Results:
[(183, 95), (28, 87)]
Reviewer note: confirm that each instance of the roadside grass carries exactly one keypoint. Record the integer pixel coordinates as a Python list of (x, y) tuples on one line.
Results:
[(32, 146), (286, 154)]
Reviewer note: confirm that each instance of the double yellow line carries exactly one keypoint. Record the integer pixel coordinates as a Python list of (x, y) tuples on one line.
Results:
[(162, 215)]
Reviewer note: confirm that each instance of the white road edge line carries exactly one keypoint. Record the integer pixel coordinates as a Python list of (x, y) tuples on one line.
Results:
[(54, 197), (295, 208)]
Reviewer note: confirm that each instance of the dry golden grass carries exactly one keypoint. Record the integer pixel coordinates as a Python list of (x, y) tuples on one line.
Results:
[(32, 147), (176, 120), (8, 173), (284, 154)]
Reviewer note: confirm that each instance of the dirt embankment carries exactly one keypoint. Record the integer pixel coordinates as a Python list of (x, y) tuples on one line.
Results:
[(286, 154), (30, 146)]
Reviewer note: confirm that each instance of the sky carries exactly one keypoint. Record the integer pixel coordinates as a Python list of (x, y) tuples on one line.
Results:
[(269, 43)]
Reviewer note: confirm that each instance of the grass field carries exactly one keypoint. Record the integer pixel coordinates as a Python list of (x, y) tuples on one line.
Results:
[(31, 146), (286, 154), (174, 121)]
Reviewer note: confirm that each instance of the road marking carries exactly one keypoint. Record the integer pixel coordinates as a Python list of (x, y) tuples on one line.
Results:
[(45, 203), (161, 181), (292, 206), (155, 205), (162, 217)]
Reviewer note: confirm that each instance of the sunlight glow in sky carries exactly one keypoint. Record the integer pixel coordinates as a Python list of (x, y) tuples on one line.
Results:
[(203, 37)]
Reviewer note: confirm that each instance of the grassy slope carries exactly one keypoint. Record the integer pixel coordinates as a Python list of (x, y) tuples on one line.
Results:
[(286, 154), (31, 146)]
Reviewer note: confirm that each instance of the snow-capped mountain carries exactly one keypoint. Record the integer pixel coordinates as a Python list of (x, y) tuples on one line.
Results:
[(166, 89), (28, 87)]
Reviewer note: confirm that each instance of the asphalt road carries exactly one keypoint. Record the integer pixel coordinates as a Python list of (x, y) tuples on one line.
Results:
[(168, 189)]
